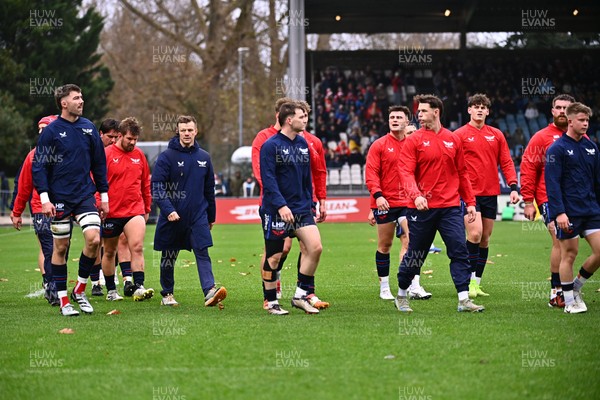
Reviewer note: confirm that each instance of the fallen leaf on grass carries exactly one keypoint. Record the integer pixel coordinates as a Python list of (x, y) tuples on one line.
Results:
[(67, 331), (37, 269), (220, 305), (490, 262), (498, 255), (244, 273), (72, 281), (251, 266), (598, 290), (232, 259), (3, 280), (113, 312), (389, 357), (428, 272), (75, 259), (219, 261)]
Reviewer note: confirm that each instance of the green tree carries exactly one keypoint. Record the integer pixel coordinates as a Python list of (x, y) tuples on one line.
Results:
[(43, 45), (552, 40)]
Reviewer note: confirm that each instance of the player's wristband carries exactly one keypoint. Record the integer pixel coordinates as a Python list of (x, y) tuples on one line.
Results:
[(44, 198), (377, 195), (104, 197), (513, 187)]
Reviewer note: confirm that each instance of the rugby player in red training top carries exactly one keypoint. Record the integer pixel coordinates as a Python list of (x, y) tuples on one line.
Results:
[(319, 183), (388, 201), (485, 149), (533, 185), (433, 174), (24, 192), (129, 191), (572, 176)]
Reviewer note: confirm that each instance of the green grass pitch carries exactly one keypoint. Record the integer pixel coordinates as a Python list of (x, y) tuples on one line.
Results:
[(359, 348)]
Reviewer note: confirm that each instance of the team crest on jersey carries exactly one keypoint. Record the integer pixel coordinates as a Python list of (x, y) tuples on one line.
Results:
[(303, 151), (201, 164), (490, 138), (285, 151), (471, 139), (180, 163), (87, 131), (590, 152), (413, 218), (116, 160), (449, 145), (426, 144), (570, 152), (63, 134), (390, 149), (135, 160)]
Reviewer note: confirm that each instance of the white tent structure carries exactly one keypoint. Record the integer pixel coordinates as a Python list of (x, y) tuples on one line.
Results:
[(242, 155)]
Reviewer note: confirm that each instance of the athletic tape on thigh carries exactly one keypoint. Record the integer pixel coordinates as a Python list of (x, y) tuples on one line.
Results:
[(61, 229), (89, 220)]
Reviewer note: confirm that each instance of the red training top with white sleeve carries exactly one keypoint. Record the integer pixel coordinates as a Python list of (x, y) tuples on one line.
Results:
[(432, 165), (259, 140), (26, 190), (318, 169), (382, 173), (317, 161), (533, 183), (128, 182), (484, 150)]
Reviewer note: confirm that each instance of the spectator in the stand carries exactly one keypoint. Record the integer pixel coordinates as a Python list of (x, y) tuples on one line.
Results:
[(356, 157), (248, 187), (373, 135), (354, 138), (322, 132), (397, 88), (343, 151), (531, 112), (333, 134), (341, 115), (519, 139), (235, 184), (354, 121), (220, 189)]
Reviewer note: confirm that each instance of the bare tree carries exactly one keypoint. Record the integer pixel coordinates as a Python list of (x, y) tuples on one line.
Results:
[(169, 57)]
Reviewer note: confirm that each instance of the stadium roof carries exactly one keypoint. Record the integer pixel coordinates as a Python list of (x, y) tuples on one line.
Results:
[(388, 16)]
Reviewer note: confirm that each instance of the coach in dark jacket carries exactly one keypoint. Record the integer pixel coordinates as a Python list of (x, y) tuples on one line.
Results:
[(183, 186)]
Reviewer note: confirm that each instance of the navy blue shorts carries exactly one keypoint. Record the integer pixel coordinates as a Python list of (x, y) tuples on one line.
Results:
[(392, 215), (65, 213), (274, 228), (41, 224), (486, 205), (581, 226), (65, 210), (113, 227)]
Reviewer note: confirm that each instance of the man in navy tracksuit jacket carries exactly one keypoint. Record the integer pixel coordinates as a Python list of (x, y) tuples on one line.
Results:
[(183, 186), (573, 185), (67, 151), (287, 208)]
